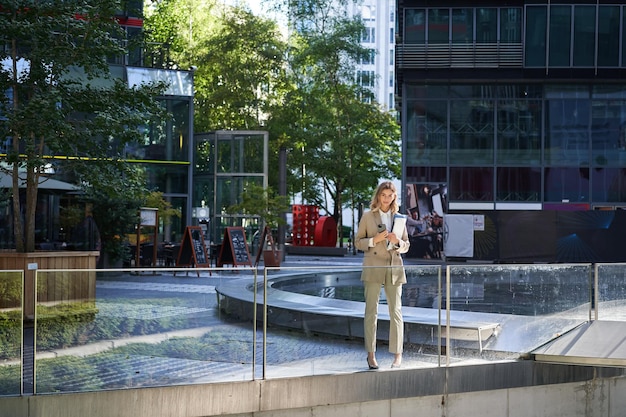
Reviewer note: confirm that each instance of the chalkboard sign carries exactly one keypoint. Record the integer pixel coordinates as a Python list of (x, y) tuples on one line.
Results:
[(193, 250), (234, 248), (271, 257)]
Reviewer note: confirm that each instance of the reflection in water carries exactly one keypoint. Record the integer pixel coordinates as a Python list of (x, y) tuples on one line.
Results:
[(524, 290)]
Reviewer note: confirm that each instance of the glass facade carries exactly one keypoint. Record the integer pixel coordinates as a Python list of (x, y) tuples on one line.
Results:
[(574, 35), (226, 162), (163, 154), (557, 36), (549, 128), (462, 25), (518, 142)]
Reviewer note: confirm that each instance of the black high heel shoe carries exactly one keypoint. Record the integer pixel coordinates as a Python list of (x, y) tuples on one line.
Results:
[(370, 365)]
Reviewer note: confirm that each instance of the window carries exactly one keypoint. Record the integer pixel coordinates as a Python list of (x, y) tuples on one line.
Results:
[(471, 184), (624, 39), (567, 126), (566, 184), (391, 36), (468, 145), (609, 184), (369, 35), (414, 26), (518, 184), (390, 78), (560, 29), (438, 28), (462, 25), (510, 25), (584, 35), (368, 13), (366, 78), (369, 58), (426, 132), (535, 45), (486, 25), (391, 57), (608, 36)]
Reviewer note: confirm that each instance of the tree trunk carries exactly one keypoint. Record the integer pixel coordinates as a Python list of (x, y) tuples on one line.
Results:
[(339, 204), (32, 181), (17, 211)]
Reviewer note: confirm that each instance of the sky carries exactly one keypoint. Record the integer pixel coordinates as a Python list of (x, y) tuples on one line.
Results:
[(261, 8)]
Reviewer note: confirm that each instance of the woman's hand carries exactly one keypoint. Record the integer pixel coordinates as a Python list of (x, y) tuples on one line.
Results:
[(393, 238), (380, 237)]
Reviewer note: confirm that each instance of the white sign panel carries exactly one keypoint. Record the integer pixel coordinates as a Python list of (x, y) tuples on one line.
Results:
[(459, 235), (479, 222)]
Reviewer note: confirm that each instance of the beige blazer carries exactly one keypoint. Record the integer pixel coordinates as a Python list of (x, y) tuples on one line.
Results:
[(379, 255)]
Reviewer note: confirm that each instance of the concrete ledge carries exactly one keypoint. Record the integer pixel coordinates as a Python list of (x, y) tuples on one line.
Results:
[(511, 388)]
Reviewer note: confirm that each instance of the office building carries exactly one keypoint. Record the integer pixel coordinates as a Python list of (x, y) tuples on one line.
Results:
[(516, 105), (164, 152), (377, 72)]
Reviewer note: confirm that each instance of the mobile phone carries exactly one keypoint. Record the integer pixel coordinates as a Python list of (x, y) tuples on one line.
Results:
[(381, 228)]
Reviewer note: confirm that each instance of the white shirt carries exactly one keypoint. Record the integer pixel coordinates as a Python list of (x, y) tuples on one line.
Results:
[(385, 218)]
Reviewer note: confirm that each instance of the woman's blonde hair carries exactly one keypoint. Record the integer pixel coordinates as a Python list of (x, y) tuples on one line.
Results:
[(385, 185)]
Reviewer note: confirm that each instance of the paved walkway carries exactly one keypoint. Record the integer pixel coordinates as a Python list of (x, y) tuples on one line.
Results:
[(228, 354)]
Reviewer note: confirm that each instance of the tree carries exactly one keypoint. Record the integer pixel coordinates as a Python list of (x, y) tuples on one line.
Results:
[(115, 205), (61, 102), (263, 203), (340, 142), (237, 76), (180, 26)]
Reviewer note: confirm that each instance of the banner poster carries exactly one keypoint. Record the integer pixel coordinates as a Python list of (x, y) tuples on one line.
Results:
[(426, 205)]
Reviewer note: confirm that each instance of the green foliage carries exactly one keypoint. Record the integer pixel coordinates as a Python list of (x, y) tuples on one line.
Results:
[(63, 325), (10, 380), (61, 100), (237, 76), (10, 334), (340, 143), (262, 202), (156, 200), (10, 289), (221, 345), (56, 375), (73, 324), (115, 201), (180, 26), (240, 75)]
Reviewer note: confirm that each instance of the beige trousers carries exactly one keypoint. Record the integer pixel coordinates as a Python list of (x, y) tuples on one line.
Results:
[(396, 324)]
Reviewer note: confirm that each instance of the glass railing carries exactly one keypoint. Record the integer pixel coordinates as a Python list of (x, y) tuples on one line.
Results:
[(501, 311), (313, 321), (117, 329), (11, 332), (610, 297), (137, 328)]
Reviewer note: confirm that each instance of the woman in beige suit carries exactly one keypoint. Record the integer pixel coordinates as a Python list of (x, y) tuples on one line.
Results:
[(372, 238)]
